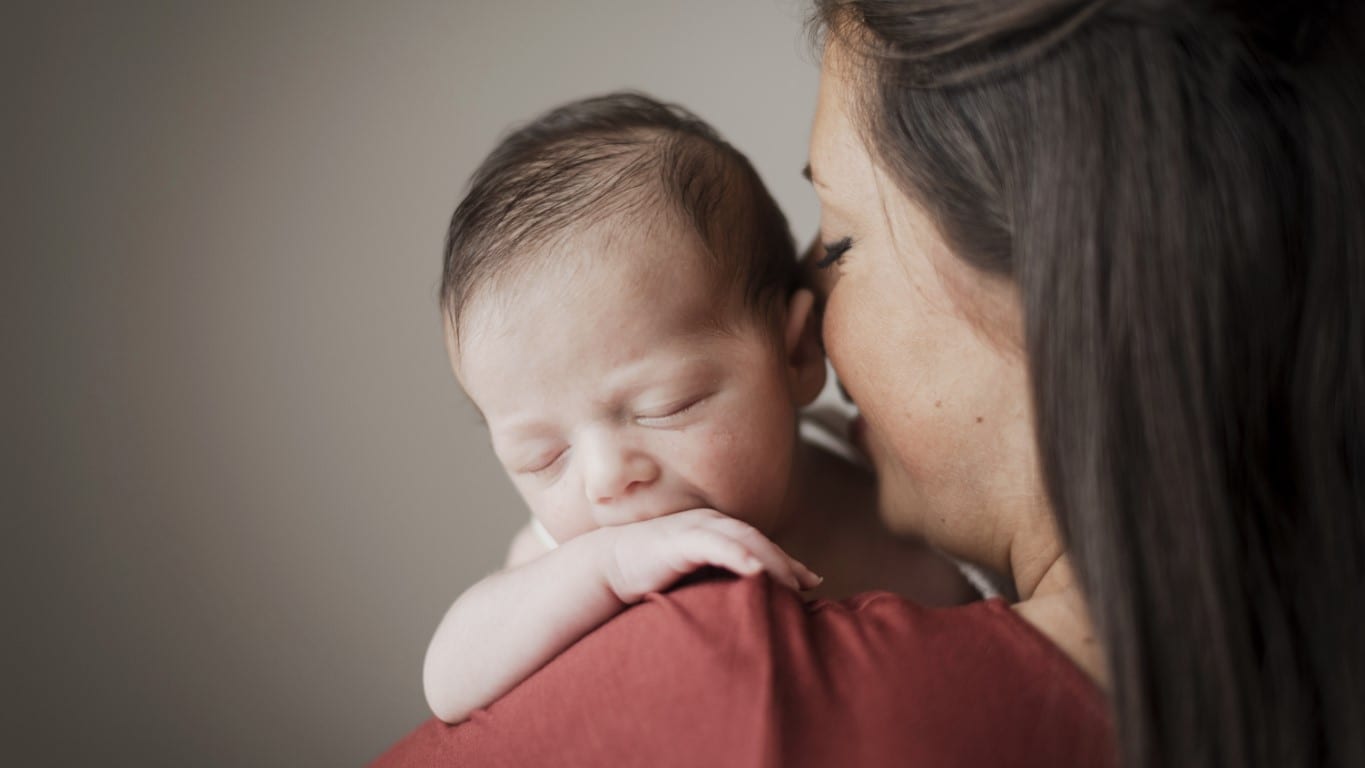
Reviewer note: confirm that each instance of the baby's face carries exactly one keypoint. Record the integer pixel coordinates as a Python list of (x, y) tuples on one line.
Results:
[(611, 397)]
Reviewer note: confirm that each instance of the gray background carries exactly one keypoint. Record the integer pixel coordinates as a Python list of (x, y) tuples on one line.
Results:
[(239, 484)]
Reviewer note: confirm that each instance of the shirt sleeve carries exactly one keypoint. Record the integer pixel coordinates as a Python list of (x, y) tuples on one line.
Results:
[(743, 672)]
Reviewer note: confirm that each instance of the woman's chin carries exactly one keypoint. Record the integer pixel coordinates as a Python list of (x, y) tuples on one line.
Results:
[(900, 505)]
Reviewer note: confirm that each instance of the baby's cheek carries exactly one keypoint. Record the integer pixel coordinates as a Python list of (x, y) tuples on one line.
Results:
[(704, 456), (741, 473), (562, 513)]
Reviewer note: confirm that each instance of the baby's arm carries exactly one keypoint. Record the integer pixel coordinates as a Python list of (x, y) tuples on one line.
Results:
[(508, 625)]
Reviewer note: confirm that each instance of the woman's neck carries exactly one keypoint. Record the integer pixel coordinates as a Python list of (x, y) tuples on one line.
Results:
[(1055, 605)]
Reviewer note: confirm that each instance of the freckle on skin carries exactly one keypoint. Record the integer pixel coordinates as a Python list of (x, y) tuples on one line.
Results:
[(937, 403), (978, 419)]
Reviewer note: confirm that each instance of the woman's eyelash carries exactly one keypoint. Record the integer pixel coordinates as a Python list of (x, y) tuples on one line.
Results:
[(834, 252)]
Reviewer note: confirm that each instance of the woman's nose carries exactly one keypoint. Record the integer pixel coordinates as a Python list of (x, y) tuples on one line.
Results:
[(612, 472)]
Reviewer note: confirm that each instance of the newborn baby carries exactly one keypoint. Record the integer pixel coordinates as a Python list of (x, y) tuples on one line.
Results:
[(621, 303)]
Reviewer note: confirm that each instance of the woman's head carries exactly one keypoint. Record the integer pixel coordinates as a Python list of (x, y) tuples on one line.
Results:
[(1161, 199), (929, 349)]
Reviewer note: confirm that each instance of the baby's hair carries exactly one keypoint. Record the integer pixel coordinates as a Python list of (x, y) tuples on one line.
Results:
[(619, 156)]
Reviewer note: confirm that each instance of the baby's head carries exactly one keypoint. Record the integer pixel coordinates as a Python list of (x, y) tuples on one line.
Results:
[(621, 305)]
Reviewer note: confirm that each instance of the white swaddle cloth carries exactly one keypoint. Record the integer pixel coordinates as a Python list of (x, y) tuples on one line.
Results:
[(542, 535)]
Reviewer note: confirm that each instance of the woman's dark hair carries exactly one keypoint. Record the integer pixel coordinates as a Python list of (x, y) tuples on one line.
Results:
[(1176, 188), (627, 159)]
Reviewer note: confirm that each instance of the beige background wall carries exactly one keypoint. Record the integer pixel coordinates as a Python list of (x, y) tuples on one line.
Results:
[(239, 484)]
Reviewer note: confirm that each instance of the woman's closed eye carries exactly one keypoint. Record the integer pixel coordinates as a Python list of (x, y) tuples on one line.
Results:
[(834, 252)]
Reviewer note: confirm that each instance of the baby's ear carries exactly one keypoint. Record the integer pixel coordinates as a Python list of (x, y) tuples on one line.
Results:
[(801, 342)]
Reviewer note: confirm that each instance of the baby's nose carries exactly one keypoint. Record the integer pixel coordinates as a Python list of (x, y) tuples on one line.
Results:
[(615, 474)]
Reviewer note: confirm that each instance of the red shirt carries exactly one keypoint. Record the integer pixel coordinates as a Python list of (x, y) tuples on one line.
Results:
[(742, 672)]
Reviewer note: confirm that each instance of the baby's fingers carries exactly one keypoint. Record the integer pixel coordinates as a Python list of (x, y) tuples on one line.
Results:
[(777, 562), (711, 547), (809, 579), (783, 567)]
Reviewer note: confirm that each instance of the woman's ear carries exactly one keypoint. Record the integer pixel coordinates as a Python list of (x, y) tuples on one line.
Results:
[(801, 344)]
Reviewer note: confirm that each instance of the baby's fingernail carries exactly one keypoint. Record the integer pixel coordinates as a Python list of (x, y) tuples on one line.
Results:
[(752, 565)]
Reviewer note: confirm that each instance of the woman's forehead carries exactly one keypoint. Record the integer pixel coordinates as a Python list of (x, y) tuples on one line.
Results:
[(858, 193), (840, 164)]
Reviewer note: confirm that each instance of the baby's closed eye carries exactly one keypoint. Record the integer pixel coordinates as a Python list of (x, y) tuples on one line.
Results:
[(536, 462), (672, 412)]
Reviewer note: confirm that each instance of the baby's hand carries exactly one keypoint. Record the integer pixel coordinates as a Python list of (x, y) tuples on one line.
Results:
[(653, 554)]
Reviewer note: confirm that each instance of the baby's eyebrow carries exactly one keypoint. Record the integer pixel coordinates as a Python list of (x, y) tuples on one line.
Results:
[(525, 428), (685, 372)]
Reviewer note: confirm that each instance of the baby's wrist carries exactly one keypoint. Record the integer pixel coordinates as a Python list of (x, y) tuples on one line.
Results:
[(598, 550)]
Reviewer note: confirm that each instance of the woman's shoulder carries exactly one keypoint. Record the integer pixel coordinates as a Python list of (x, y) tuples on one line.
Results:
[(739, 672)]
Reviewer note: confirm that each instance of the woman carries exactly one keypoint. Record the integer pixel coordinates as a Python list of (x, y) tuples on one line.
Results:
[(1093, 273), (1173, 198), (1159, 203)]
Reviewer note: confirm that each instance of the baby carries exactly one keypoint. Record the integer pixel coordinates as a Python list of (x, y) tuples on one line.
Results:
[(621, 304)]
